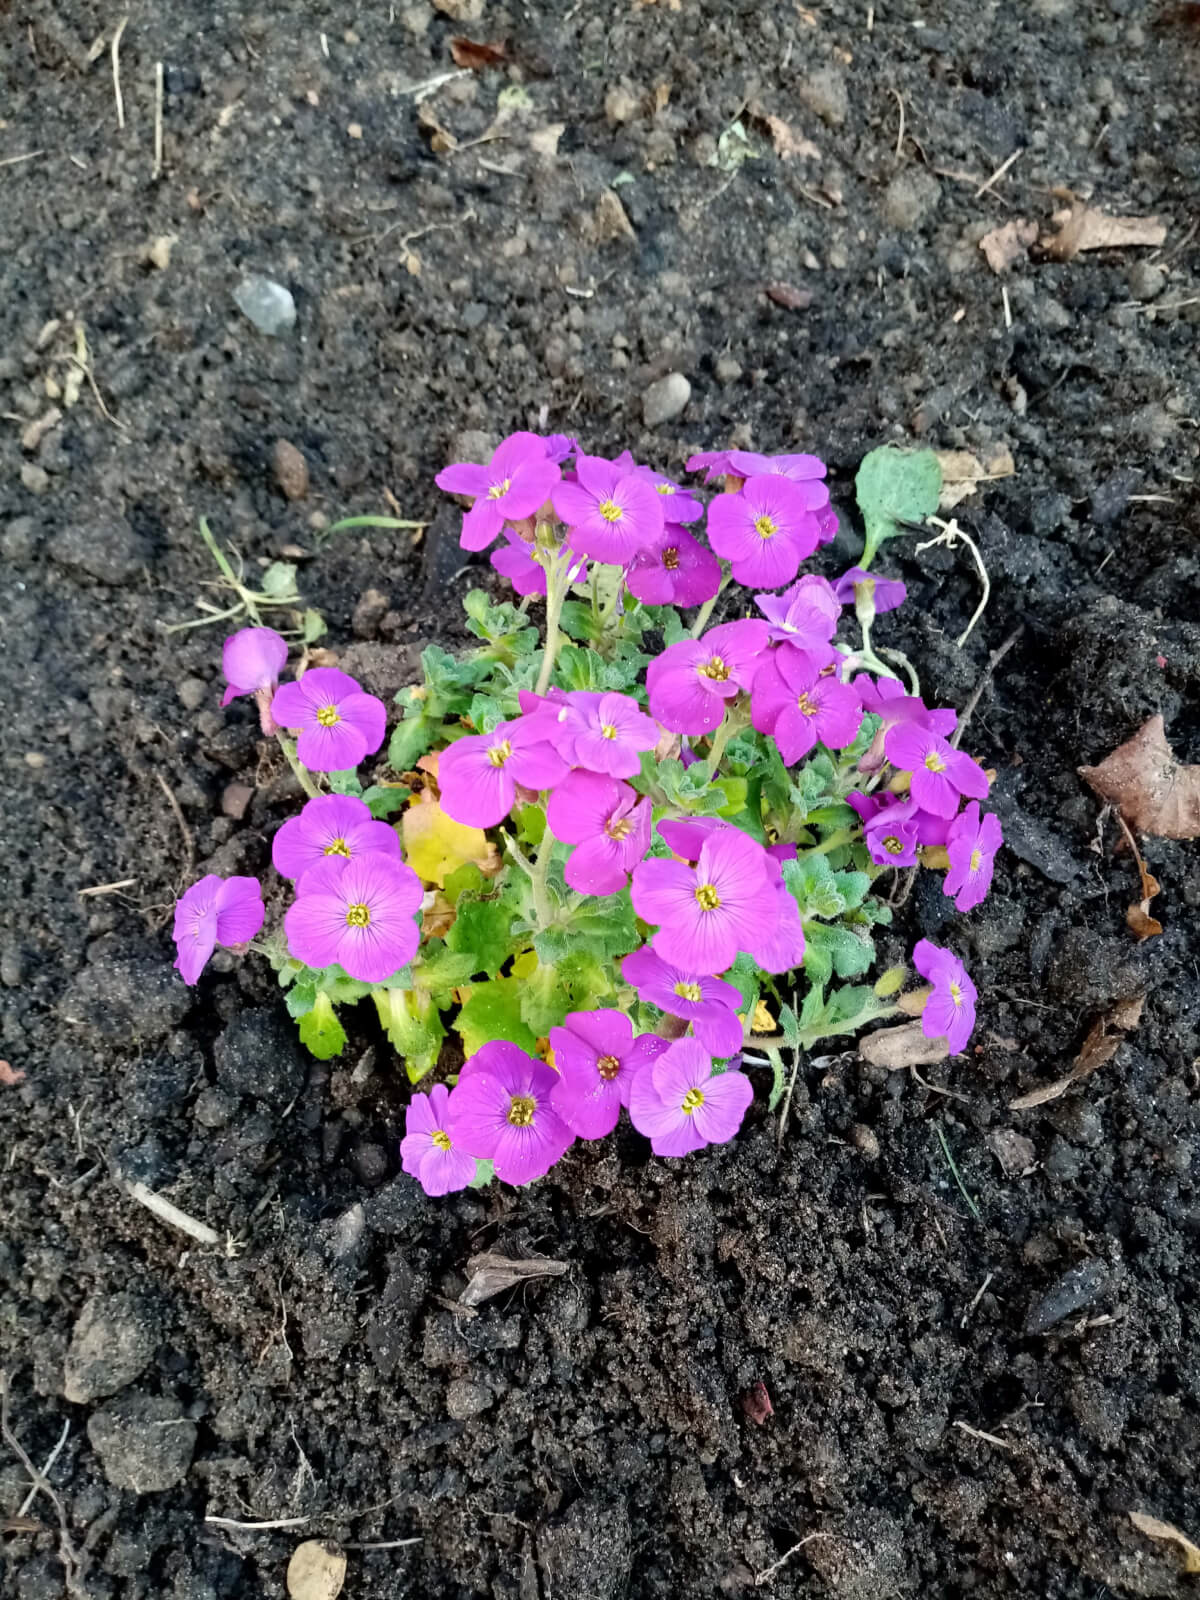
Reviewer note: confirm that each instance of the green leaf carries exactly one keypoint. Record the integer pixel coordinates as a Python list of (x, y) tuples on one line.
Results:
[(314, 627), (853, 888), (744, 976), (485, 1173), (602, 928), (417, 1039), (493, 1011), (531, 825), (893, 486), (385, 799), (410, 740), (504, 628), (345, 782), (341, 989), (789, 1026), (278, 582), (811, 881), (579, 621), (320, 1030), (302, 995), (579, 982), (461, 880), (441, 970), (832, 949), (483, 930), (370, 522)]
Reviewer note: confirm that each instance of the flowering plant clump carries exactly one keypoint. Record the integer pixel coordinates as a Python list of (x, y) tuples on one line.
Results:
[(636, 855)]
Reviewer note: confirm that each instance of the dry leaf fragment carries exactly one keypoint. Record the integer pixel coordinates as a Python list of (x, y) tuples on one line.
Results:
[(788, 296), (1008, 243), (1083, 228), (789, 145), (544, 141), (10, 1077), (1149, 787), (901, 1047), (1104, 1039), (1156, 1528), (756, 1404), (963, 472), (316, 1571), (491, 1274), (1015, 1153), (474, 56), (441, 140)]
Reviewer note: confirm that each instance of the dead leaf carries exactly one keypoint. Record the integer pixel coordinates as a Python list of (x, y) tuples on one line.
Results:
[(544, 141), (1151, 789), (10, 1077), (901, 1047), (963, 472), (788, 296), (756, 1404), (476, 57), (1008, 243), (1104, 1039), (441, 140), (1015, 1153), (316, 1571), (21, 1525), (1156, 1528), (1138, 916), (158, 251), (1083, 228), (662, 97), (789, 145), (491, 1274)]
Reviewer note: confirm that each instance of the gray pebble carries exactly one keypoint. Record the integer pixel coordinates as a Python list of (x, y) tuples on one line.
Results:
[(1071, 1292), (214, 1107), (268, 304), (466, 1398), (193, 692), (19, 539), (666, 399), (112, 1343), (289, 469), (1146, 280), (910, 198), (144, 1443), (34, 478), (825, 94)]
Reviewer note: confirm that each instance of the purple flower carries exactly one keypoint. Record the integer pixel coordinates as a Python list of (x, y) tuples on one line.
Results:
[(252, 660), (889, 592), (338, 724), (478, 775), (427, 1152), (827, 525), (708, 912), (674, 569), (950, 1010), (766, 530), (887, 699), (681, 1105), (598, 1060), (514, 559), (800, 468), (689, 683), (679, 504), (606, 733), (800, 707), (559, 446), (611, 511), (805, 617), (712, 463), (709, 1004), (215, 911), (940, 774), (514, 484), (892, 831), (501, 1111), (357, 915), (331, 825), (607, 823), (971, 844)]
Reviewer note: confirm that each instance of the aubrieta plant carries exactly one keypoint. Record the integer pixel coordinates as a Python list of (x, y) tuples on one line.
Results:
[(637, 855)]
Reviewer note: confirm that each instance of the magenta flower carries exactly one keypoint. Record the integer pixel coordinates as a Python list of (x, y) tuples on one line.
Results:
[(889, 592), (598, 1059), (827, 525), (887, 699), (674, 569), (227, 911), (559, 446), (805, 617), (940, 774), (501, 1111), (801, 707), (892, 832), (800, 468), (337, 723), (712, 463), (252, 660), (514, 484), (766, 530), (606, 822), (950, 1010), (971, 844), (681, 1105), (478, 775), (779, 943), (427, 1152), (708, 912), (514, 559), (709, 1004), (689, 683), (331, 825), (606, 733), (357, 915), (679, 504), (612, 512)]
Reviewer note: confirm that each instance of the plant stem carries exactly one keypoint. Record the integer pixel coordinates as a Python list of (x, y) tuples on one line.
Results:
[(303, 776), (222, 560), (836, 839), (556, 594), (706, 610), (542, 908)]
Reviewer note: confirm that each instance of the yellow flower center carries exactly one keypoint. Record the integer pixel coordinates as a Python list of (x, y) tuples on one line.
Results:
[(620, 829), (934, 762), (337, 847), (765, 527), (499, 489), (956, 993), (608, 1067), (976, 860), (329, 716), (707, 897), (807, 706), (670, 558), (715, 669), (608, 731), (665, 488), (692, 1101), (893, 846), (520, 1110), (442, 1140), (499, 753), (688, 991), (358, 916), (611, 511)]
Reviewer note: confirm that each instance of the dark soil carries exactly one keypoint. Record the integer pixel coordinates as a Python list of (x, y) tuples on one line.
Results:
[(962, 1403)]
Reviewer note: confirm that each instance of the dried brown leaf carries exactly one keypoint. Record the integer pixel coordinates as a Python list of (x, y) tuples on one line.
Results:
[(316, 1571), (789, 145), (1008, 243), (441, 140), (10, 1077), (1151, 789), (902, 1047), (474, 56), (1104, 1039), (788, 296), (1015, 1153), (963, 472), (1156, 1528), (756, 1404), (544, 141), (491, 1274), (1084, 228)]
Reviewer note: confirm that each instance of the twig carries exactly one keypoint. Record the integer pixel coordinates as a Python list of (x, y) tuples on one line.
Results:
[(1008, 324), (979, 1294), (188, 843), (952, 1164), (777, 1566), (994, 660), (1170, 305), (30, 155), (172, 1215), (384, 1544), (999, 172), (988, 1438), (66, 1550), (900, 130), (156, 171), (50, 1460), (257, 1527), (106, 888), (950, 533), (421, 91), (937, 1088), (116, 70)]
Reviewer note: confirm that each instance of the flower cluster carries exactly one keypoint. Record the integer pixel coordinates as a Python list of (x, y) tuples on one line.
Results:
[(704, 820)]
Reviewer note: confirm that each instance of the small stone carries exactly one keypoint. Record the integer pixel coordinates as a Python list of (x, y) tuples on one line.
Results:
[(466, 1398), (1072, 1292), (267, 304), (729, 370), (910, 197), (354, 130), (214, 1107), (34, 478), (145, 1444), (864, 1141), (620, 103), (12, 965), (35, 759), (666, 399), (838, 258), (825, 94), (1146, 280), (610, 220), (193, 692), (290, 469), (369, 612), (235, 800), (112, 1344), (158, 251)]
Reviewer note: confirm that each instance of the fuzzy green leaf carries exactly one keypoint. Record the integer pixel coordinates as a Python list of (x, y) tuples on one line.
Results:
[(493, 1011), (894, 486), (320, 1030), (483, 930), (384, 800)]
